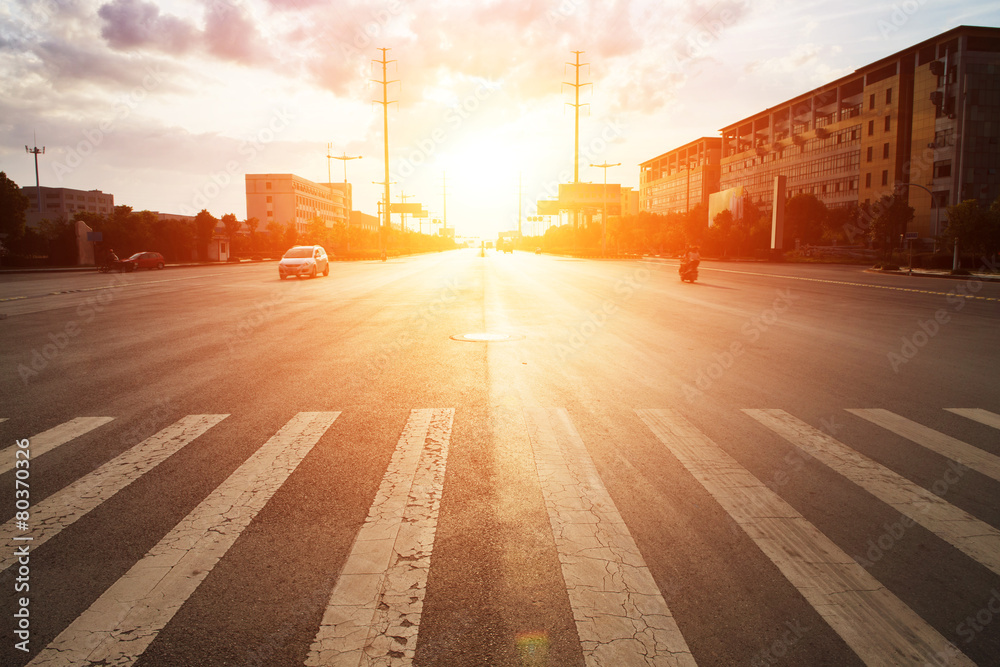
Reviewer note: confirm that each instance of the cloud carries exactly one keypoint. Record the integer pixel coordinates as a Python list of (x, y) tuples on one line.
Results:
[(133, 24)]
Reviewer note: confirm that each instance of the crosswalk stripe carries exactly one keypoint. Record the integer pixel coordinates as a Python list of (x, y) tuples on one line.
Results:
[(877, 625), (977, 539), (373, 614), (945, 445), (64, 507), (119, 625), (979, 415), (620, 614), (49, 440)]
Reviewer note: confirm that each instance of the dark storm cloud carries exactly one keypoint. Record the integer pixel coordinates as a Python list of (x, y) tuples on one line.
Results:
[(130, 24)]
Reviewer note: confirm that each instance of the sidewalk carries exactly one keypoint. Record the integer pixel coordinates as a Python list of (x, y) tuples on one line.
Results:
[(937, 273), (84, 269)]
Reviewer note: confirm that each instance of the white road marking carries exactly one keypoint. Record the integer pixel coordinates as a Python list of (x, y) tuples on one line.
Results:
[(621, 616), (945, 445), (121, 624), (64, 507), (49, 440), (373, 615), (979, 415), (977, 539), (878, 626)]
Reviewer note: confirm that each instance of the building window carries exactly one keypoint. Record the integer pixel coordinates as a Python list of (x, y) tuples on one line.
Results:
[(267, 185), (942, 169), (269, 199), (869, 154), (871, 128), (270, 214), (885, 151), (868, 180), (888, 96), (871, 101), (885, 177), (888, 122)]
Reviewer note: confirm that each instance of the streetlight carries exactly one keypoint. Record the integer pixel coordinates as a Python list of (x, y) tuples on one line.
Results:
[(343, 158), (604, 212), (937, 222)]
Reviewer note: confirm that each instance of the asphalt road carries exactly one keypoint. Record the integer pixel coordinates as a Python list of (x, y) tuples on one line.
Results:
[(758, 468)]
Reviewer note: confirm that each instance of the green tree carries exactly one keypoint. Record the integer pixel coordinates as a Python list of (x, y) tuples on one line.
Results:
[(805, 217), (13, 206), (252, 224), (972, 227), (232, 226), (892, 215), (275, 236), (722, 229), (291, 234), (204, 227)]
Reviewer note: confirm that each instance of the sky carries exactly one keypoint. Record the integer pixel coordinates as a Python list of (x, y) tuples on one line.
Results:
[(168, 105)]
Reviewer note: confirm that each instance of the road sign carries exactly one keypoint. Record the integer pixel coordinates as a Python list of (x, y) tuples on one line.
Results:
[(910, 236)]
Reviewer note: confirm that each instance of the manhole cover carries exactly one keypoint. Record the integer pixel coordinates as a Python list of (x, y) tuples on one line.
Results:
[(486, 337)]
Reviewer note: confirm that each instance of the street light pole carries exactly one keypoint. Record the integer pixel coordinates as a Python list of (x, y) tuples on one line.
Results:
[(36, 151), (343, 158), (604, 213)]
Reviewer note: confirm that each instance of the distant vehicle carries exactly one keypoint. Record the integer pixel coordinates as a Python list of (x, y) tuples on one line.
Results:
[(145, 260), (538, 251), (304, 260), (508, 246)]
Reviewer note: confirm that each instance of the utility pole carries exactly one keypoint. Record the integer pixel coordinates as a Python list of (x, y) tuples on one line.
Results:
[(604, 212), (38, 189), (576, 134), (385, 134)]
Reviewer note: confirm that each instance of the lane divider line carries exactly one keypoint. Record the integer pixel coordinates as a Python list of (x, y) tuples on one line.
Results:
[(879, 627), (620, 614), (373, 615), (125, 620)]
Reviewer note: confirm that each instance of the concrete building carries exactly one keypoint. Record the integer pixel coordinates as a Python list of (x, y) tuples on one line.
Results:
[(60, 203), (286, 198), (928, 115), (682, 178)]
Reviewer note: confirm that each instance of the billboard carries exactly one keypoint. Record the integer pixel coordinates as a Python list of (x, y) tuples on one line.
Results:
[(726, 200)]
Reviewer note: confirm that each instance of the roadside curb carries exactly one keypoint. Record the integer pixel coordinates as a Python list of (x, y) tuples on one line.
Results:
[(924, 274)]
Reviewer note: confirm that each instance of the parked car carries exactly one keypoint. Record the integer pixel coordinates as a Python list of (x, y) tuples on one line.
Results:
[(304, 260), (145, 260)]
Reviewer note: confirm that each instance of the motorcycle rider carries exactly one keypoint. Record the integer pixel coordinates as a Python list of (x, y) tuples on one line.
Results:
[(111, 259), (691, 257)]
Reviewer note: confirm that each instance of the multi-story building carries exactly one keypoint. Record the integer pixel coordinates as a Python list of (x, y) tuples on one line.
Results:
[(682, 178), (286, 198), (923, 123), (58, 203)]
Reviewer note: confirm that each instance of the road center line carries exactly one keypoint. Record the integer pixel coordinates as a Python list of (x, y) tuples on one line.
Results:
[(122, 623), (979, 415), (621, 616), (66, 506), (945, 445), (373, 615), (49, 440), (977, 539), (876, 624)]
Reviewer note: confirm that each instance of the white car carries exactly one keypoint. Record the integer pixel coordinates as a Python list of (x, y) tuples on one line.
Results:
[(304, 260)]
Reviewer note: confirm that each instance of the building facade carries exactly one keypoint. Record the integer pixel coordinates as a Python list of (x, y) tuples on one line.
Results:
[(60, 203), (923, 123), (682, 178), (287, 198)]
